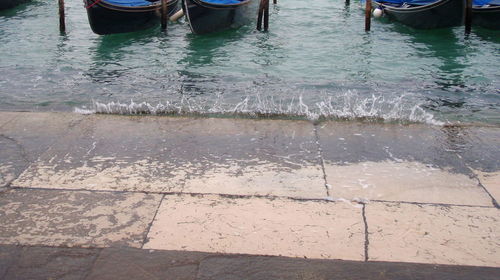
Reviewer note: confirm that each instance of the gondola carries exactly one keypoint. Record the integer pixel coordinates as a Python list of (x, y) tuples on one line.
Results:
[(424, 14), (206, 16), (486, 13), (7, 4), (121, 16)]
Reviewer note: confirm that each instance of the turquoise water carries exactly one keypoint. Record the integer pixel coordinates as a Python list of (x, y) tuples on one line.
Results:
[(315, 62)]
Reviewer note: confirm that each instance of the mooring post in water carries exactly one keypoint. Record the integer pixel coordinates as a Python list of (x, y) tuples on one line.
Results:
[(62, 19), (164, 12), (261, 14), (468, 16), (266, 15), (368, 15), (275, 2)]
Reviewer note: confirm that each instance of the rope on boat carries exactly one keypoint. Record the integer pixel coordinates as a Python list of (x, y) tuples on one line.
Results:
[(93, 4)]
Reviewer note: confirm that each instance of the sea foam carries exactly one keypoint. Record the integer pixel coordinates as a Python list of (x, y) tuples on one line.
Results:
[(348, 105)]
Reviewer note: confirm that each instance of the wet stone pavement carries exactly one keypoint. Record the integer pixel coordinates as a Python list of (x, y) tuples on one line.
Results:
[(145, 197), (19, 262)]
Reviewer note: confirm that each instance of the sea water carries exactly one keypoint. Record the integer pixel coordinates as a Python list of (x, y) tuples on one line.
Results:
[(315, 62)]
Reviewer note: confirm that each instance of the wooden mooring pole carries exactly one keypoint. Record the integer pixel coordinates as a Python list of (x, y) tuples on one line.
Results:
[(263, 15), (62, 18), (164, 14), (468, 16), (260, 15), (266, 16), (368, 15)]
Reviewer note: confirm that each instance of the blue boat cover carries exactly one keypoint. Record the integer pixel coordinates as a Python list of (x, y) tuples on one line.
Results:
[(412, 2), (130, 3), (223, 2), (427, 2), (138, 3), (486, 2)]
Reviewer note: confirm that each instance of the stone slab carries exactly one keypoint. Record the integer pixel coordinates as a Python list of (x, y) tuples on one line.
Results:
[(108, 153), (26, 136), (491, 181), (6, 117), (260, 267), (8, 256), (312, 229), (12, 160), (75, 218), (433, 234), (128, 263), (404, 181), (36, 132), (164, 154), (346, 143), (479, 147), (259, 157), (391, 162), (52, 263)]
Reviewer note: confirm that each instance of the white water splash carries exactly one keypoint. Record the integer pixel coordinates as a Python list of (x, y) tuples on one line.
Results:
[(84, 111), (349, 106)]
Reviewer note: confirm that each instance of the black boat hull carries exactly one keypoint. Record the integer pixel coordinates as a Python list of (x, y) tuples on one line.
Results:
[(444, 13), (206, 18), (487, 17), (7, 4), (105, 18)]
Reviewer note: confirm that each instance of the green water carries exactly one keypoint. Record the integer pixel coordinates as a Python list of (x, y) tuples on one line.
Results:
[(316, 61)]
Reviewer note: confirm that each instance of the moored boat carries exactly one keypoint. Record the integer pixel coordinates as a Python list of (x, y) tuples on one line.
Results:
[(424, 14), (486, 13), (7, 4), (205, 16), (120, 16)]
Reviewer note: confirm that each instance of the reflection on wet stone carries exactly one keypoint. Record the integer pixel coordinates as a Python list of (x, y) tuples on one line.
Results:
[(26, 136), (180, 154), (391, 162)]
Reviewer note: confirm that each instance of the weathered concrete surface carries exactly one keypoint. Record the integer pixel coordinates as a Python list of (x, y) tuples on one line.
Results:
[(88, 219), (26, 136), (48, 263), (313, 229), (413, 163), (433, 234), (127, 263), (159, 154)]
